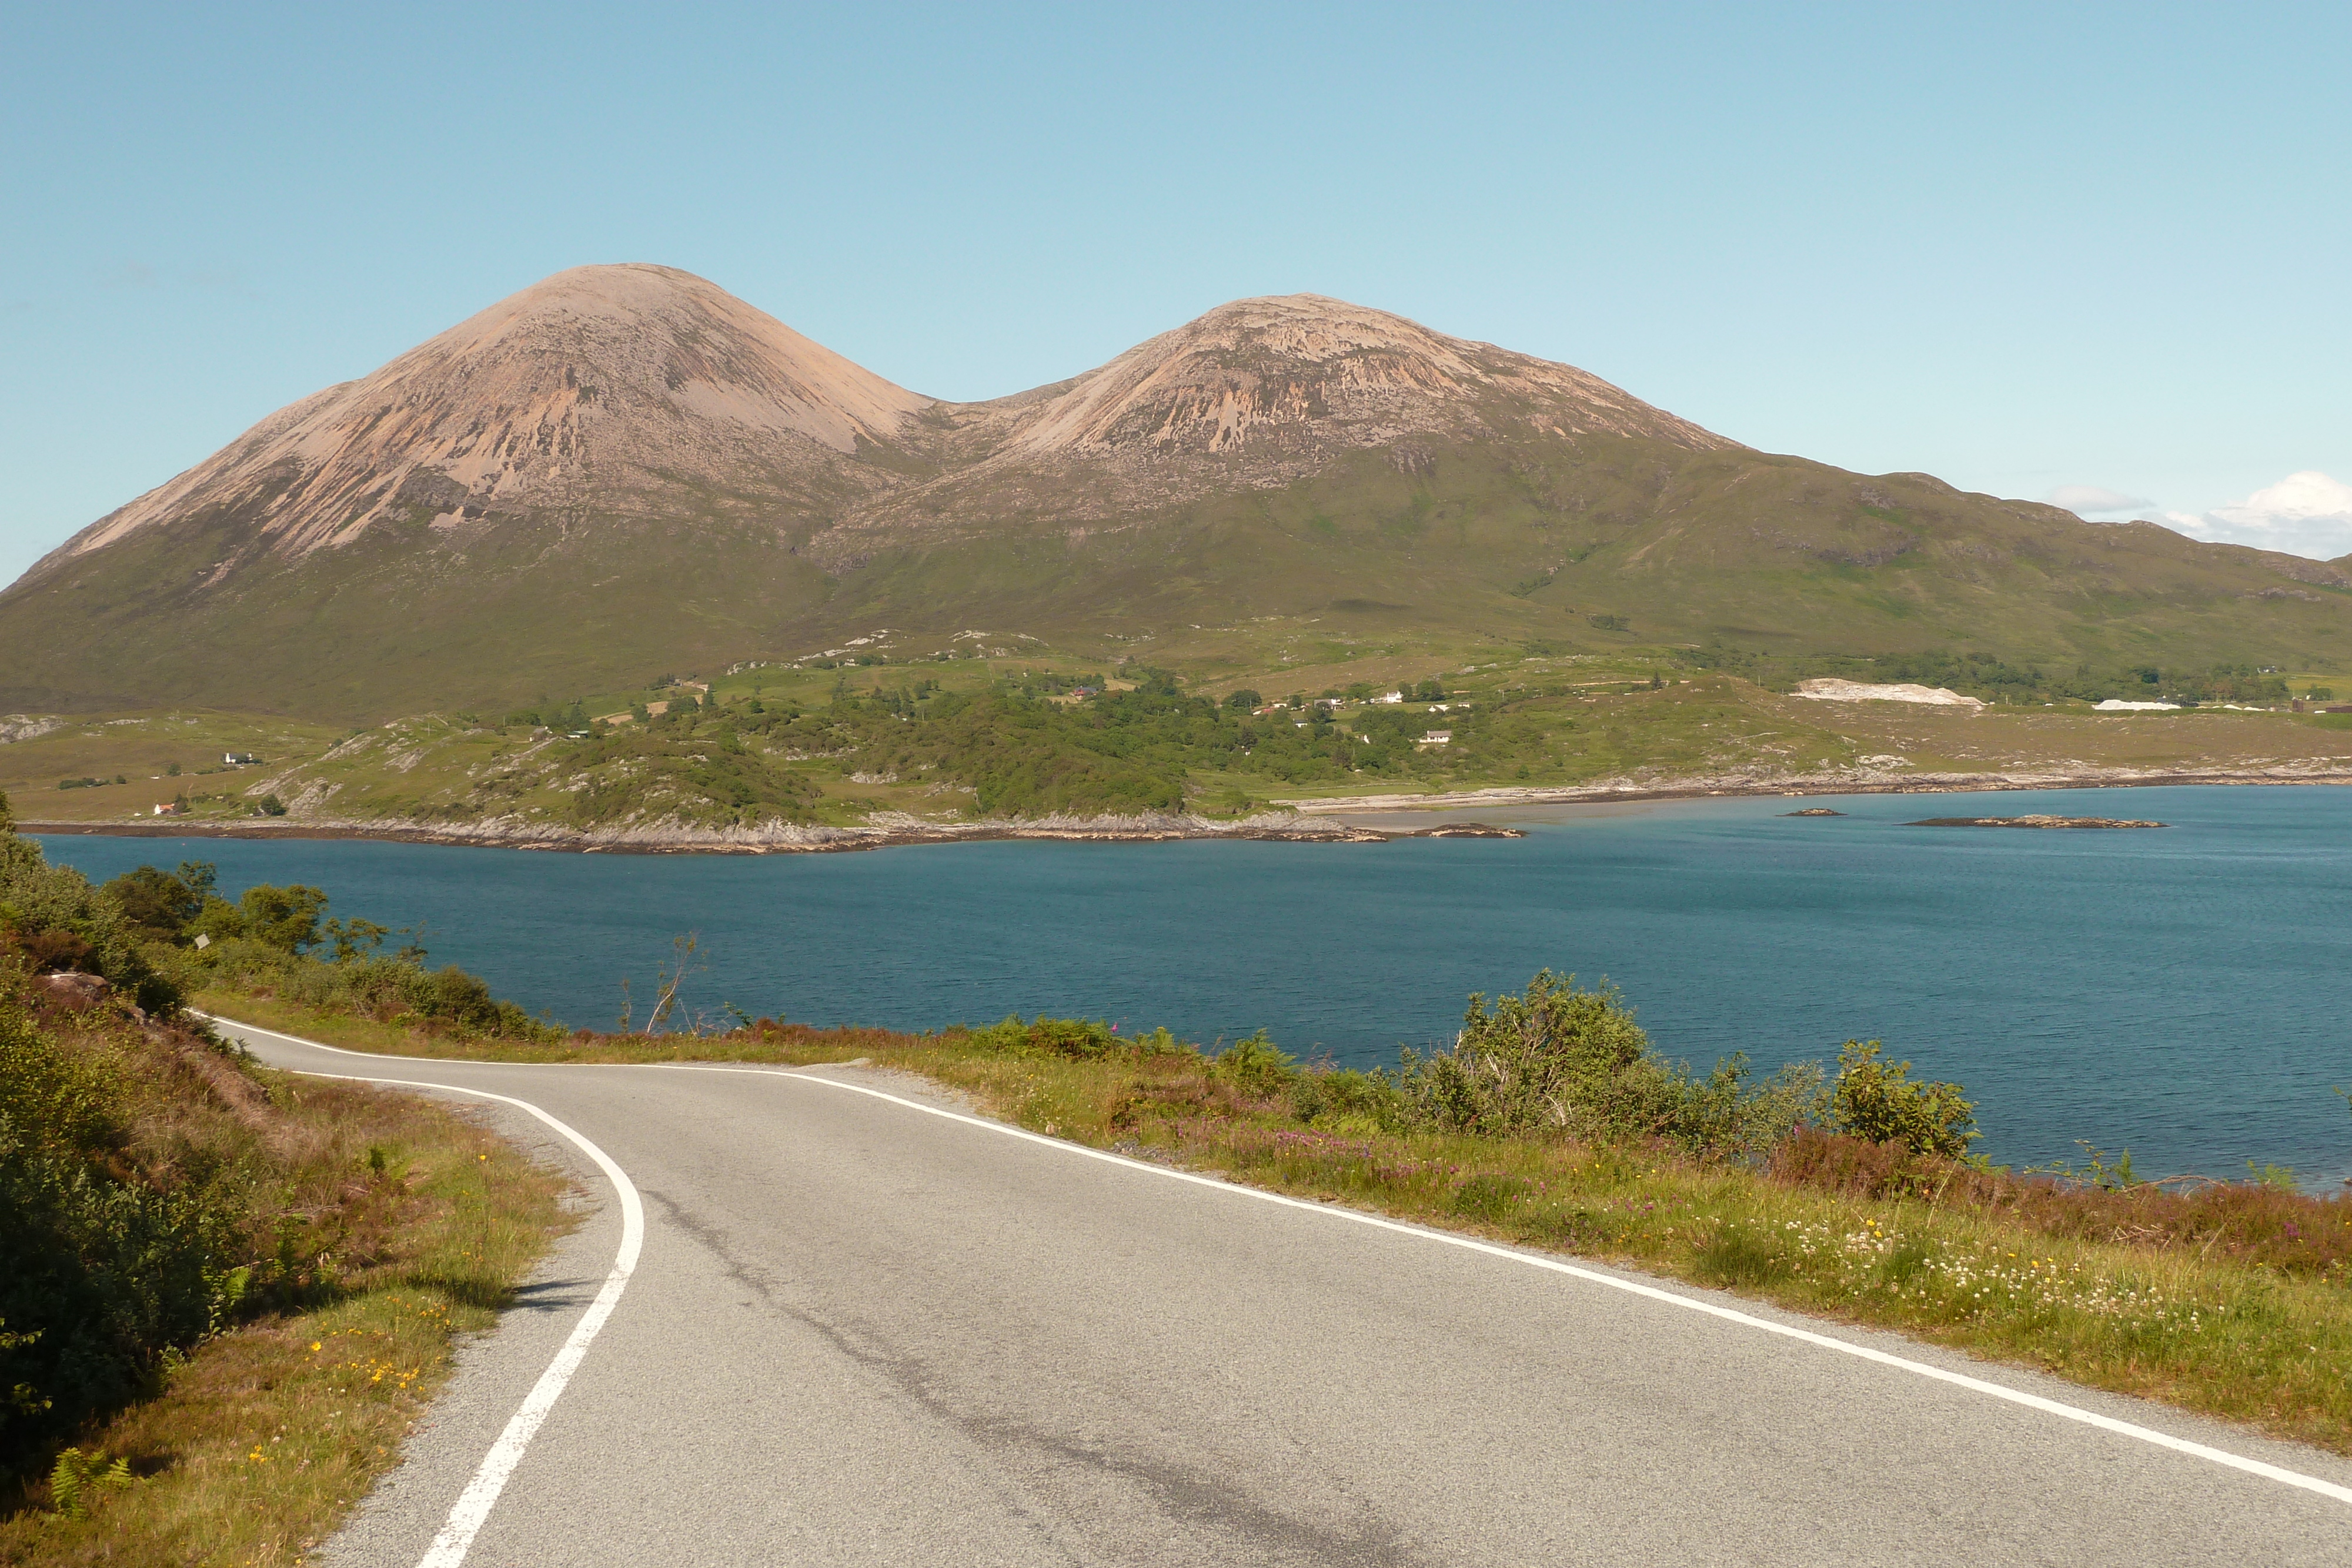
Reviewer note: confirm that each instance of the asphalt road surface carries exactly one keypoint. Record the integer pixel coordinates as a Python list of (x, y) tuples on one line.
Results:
[(860, 1332)]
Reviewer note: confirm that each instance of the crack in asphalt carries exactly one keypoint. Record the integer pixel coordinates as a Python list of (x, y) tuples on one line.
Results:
[(1185, 1498)]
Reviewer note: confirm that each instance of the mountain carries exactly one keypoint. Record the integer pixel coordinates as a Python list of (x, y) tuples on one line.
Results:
[(646, 386), (625, 470)]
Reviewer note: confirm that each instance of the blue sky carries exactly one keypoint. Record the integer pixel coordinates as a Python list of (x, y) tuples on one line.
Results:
[(2097, 253)]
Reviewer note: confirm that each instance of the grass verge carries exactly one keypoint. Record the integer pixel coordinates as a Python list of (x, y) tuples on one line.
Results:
[(2232, 1303), (255, 1445)]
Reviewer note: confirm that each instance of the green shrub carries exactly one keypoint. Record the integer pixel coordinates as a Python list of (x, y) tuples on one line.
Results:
[(1254, 1065), (1343, 1096), (78, 1480), (378, 987), (271, 938), (52, 918), (1876, 1102), (1555, 1057), (1560, 1058), (1080, 1040), (104, 1270)]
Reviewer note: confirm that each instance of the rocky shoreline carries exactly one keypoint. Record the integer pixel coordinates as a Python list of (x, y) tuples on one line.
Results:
[(2034, 821), (680, 838), (1300, 821), (1859, 782)]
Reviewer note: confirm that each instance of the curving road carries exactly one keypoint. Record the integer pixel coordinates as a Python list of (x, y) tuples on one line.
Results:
[(861, 1330)]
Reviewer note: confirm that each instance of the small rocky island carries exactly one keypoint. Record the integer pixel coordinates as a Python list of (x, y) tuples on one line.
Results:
[(1813, 811), (1464, 830), (2036, 821)]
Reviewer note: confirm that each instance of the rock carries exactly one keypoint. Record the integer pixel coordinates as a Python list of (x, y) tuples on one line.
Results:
[(1466, 830), (2033, 822), (1813, 811), (1834, 691), (76, 990)]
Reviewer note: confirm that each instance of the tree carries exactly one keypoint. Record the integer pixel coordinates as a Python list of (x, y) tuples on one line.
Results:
[(285, 917), (158, 903), (1242, 701), (355, 939)]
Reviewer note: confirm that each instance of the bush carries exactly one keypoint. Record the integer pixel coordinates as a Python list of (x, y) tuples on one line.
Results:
[(265, 939), (1555, 1057), (105, 1269), (1254, 1065), (1876, 1102), (52, 918), (1343, 1096), (1080, 1040), (1564, 1059), (383, 988)]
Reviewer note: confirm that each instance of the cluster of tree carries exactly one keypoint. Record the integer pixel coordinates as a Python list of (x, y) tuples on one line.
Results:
[(283, 937), (1019, 746), (690, 761), (553, 716), (1023, 747)]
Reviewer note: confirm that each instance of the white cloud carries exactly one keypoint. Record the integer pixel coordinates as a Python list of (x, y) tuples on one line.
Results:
[(2085, 500), (2308, 514)]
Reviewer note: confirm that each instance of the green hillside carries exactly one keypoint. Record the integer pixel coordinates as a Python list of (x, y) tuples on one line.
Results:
[(624, 472), (1592, 544)]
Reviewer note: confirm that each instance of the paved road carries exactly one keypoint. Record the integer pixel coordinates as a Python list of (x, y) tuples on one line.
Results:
[(861, 1333)]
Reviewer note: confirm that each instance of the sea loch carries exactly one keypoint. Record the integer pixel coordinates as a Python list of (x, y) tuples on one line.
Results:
[(2182, 993)]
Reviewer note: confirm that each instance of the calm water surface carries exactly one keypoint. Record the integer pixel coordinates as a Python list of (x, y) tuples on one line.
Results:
[(2181, 993)]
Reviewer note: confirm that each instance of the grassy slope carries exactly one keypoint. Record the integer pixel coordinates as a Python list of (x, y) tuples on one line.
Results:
[(2238, 1308), (255, 1445), (1488, 547)]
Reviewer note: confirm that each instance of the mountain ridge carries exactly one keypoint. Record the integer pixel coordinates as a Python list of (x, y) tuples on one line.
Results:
[(1292, 378), (625, 469)]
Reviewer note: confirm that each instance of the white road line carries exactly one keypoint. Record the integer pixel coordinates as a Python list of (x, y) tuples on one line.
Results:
[(473, 1506), (1975, 1385)]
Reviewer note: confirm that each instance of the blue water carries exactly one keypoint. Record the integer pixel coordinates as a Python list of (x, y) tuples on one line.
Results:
[(2180, 993)]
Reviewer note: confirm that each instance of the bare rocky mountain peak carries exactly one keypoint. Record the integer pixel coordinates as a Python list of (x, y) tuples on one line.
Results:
[(1305, 369), (617, 379), (644, 390)]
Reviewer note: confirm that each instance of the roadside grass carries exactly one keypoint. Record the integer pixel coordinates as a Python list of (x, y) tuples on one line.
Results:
[(256, 1444), (2234, 1304)]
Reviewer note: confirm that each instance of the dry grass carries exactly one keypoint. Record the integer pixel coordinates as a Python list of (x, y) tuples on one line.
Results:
[(259, 1442)]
